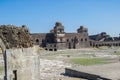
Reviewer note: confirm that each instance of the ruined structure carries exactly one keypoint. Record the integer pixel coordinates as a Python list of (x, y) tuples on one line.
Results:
[(20, 56), (58, 39), (103, 39), (15, 37)]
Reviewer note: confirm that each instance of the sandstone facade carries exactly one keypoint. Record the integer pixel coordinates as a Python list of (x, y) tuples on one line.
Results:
[(58, 39)]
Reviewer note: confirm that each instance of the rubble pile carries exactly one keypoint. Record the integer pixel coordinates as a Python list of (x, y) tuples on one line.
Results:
[(15, 37)]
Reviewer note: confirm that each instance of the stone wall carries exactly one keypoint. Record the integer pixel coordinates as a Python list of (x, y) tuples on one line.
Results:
[(22, 63), (62, 40), (21, 60), (79, 74), (15, 37)]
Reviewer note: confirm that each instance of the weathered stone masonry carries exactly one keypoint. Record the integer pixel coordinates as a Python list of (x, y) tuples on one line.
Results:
[(58, 39), (20, 57)]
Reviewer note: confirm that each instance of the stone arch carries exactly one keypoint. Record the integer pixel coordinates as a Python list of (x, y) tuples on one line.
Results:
[(46, 49), (67, 40), (86, 40), (37, 41), (50, 49), (55, 49), (82, 40), (97, 45)]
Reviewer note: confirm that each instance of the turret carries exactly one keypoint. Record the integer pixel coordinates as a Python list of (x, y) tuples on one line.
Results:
[(59, 28), (59, 32), (82, 29)]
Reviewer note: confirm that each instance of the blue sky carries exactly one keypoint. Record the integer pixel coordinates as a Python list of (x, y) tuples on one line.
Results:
[(41, 15)]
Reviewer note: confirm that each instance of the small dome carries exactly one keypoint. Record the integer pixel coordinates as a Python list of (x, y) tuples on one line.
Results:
[(82, 28), (58, 25)]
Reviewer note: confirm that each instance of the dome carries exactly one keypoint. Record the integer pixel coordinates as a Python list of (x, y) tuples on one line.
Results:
[(58, 25), (82, 29)]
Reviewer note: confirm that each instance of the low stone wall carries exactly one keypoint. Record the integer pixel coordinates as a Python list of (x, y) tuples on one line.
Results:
[(79, 74)]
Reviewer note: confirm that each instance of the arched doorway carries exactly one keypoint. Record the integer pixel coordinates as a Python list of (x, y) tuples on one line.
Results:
[(37, 41)]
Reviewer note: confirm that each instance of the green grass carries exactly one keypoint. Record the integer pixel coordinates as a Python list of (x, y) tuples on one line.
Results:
[(88, 61), (1, 68), (117, 53)]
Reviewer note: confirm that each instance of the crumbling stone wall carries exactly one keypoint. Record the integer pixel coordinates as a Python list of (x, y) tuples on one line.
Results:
[(20, 56), (25, 62), (15, 37)]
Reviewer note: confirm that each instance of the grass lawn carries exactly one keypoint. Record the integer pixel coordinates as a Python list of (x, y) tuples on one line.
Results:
[(88, 61)]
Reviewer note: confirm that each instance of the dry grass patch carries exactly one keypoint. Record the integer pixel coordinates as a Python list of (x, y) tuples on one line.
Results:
[(88, 61), (1, 69)]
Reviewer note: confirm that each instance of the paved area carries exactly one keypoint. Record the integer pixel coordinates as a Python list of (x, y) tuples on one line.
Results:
[(54, 70), (111, 71)]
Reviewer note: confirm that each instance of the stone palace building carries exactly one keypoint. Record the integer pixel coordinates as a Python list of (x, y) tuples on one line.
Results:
[(58, 39)]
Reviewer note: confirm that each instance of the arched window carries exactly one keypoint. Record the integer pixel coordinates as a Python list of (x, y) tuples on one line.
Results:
[(37, 41), (67, 40), (85, 39), (55, 45), (81, 40), (50, 49), (51, 45), (55, 49)]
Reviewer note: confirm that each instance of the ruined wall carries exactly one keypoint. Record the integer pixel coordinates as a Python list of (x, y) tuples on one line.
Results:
[(38, 38), (25, 62), (97, 44), (77, 40), (15, 37), (21, 60)]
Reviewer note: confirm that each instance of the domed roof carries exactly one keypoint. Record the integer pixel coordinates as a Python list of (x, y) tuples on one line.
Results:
[(58, 25), (82, 29)]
